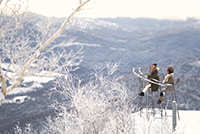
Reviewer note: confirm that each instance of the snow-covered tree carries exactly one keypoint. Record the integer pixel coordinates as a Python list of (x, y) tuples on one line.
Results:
[(101, 105), (26, 52)]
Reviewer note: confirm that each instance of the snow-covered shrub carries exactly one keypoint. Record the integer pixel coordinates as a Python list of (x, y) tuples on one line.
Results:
[(26, 130), (99, 106)]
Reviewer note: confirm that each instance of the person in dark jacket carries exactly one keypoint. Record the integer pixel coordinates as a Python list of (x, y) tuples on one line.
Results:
[(152, 75), (170, 80)]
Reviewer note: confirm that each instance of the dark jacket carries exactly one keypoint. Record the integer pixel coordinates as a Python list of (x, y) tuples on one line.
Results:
[(154, 75)]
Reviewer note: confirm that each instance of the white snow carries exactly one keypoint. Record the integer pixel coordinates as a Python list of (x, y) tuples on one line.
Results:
[(95, 24), (189, 123), (19, 90), (36, 84), (37, 79), (85, 44), (1, 96), (18, 99), (119, 49)]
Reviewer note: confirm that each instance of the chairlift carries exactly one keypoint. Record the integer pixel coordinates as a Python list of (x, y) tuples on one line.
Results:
[(142, 75)]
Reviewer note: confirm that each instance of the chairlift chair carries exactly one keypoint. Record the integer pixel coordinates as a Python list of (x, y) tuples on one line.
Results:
[(173, 96), (150, 96)]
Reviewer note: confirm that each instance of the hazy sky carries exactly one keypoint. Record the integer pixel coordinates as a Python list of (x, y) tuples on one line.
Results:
[(170, 9)]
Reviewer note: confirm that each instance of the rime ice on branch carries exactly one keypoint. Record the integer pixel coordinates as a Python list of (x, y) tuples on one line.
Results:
[(23, 43)]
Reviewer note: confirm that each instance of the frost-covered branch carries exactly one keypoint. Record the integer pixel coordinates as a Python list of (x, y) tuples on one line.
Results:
[(11, 15), (38, 52), (23, 50), (98, 106)]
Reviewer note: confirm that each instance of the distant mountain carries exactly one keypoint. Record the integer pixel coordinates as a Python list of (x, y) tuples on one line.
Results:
[(137, 43), (188, 70), (148, 22)]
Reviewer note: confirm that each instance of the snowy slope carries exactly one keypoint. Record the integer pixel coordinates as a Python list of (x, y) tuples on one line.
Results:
[(27, 103), (169, 43), (189, 123), (139, 43), (30, 105)]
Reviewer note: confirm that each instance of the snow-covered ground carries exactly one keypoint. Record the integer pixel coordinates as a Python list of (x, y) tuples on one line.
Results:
[(36, 84), (189, 123), (19, 90)]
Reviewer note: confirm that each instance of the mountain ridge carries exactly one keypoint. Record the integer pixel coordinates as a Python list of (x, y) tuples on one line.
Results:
[(135, 44)]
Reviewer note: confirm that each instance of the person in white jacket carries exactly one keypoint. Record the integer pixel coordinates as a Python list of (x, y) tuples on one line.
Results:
[(170, 80)]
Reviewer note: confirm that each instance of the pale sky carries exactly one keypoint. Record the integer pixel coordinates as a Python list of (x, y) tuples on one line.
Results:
[(161, 9)]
